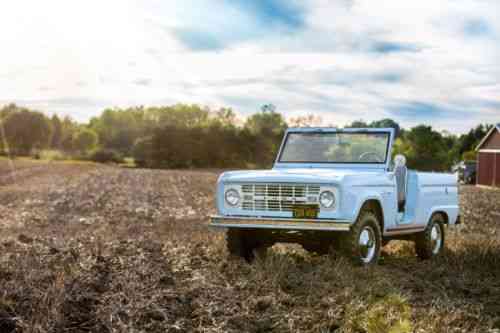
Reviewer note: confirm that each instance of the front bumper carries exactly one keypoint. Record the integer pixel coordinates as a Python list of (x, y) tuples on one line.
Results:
[(278, 223)]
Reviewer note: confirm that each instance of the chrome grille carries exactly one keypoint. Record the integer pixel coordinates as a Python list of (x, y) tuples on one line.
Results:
[(278, 197)]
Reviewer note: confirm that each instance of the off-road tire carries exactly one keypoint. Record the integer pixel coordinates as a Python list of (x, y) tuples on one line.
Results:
[(350, 242), (243, 243), (424, 246)]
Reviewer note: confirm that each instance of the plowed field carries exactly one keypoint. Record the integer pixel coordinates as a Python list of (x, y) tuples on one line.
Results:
[(86, 247)]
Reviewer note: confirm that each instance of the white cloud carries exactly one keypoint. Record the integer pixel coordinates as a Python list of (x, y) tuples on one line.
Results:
[(347, 60)]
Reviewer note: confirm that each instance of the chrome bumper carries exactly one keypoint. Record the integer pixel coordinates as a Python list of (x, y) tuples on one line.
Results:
[(278, 223)]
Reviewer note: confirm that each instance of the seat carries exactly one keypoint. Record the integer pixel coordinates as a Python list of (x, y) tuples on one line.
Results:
[(400, 172)]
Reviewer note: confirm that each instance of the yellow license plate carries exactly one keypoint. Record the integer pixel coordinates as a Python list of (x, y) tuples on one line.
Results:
[(305, 211)]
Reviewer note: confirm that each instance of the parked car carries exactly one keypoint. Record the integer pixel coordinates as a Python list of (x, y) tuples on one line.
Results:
[(467, 172), (336, 189)]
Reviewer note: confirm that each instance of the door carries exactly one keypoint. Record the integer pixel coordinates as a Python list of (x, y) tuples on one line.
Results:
[(408, 215)]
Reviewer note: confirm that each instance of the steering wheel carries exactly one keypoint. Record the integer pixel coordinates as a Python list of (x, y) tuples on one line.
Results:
[(370, 153)]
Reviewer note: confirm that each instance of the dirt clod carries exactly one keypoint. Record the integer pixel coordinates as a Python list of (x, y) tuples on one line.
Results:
[(24, 239)]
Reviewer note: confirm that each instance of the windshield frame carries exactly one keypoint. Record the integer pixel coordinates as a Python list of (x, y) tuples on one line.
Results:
[(385, 164)]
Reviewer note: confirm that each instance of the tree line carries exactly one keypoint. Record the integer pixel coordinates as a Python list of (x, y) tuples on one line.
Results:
[(24, 132), (192, 136)]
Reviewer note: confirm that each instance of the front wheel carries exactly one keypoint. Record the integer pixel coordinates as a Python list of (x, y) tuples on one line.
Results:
[(364, 241), (430, 243)]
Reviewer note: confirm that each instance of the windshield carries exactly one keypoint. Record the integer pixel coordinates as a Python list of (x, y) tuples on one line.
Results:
[(335, 147)]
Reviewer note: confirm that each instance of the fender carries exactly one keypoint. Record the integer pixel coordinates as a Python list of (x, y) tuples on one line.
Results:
[(451, 213), (371, 196)]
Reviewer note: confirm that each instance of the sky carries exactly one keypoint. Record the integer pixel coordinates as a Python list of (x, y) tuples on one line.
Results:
[(426, 61)]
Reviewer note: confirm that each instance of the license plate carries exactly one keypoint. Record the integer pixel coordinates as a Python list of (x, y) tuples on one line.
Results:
[(305, 212)]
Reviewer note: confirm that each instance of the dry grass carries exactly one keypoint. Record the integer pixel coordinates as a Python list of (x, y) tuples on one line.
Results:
[(103, 249)]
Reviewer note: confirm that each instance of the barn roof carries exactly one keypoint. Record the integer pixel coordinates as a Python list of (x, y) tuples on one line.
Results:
[(490, 132)]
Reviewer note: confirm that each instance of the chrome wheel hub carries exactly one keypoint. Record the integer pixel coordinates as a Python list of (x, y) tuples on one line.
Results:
[(367, 244), (436, 238)]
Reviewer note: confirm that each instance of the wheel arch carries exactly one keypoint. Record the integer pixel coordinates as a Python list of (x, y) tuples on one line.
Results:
[(374, 205), (450, 213), (443, 213)]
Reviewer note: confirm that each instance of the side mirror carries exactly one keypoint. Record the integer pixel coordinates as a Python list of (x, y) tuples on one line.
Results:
[(399, 161)]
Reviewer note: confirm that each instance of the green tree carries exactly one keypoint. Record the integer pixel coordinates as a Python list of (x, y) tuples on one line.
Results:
[(470, 155), (387, 123), (183, 115), (267, 128), (85, 140), (471, 139), (8, 109), (225, 116), (57, 132), (118, 129), (358, 124), (68, 131), (382, 123), (143, 152), (26, 130), (424, 148)]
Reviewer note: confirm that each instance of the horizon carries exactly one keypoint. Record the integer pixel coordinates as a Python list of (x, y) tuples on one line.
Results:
[(239, 121), (427, 63)]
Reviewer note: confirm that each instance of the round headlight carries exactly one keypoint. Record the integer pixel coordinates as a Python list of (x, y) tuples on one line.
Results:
[(327, 199), (232, 197)]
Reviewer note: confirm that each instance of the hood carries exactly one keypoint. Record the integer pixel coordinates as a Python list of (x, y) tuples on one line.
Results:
[(293, 175)]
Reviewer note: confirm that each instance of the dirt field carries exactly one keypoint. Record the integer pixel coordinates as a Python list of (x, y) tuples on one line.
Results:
[(105, 249)]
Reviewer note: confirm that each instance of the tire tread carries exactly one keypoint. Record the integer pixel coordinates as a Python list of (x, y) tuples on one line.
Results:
[(349, 244), (423, 245)]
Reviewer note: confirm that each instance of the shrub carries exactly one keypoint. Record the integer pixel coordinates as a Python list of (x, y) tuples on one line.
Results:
[(51, 155), (469, 155), (85, 140), (142, 152), (106, 156)]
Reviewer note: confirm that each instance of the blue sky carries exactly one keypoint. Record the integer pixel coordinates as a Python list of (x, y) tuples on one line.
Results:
[(432, 62)]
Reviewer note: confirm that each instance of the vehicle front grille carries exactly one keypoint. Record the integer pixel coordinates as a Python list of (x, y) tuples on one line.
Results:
[(278, 197)]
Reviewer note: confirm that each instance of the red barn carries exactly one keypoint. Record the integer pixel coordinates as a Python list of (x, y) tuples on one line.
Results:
[(488, 158)]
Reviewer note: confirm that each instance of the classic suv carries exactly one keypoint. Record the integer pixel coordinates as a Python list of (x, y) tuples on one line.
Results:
[(336, 189)]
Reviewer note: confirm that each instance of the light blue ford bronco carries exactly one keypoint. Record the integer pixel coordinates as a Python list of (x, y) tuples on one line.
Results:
[(336, 189)]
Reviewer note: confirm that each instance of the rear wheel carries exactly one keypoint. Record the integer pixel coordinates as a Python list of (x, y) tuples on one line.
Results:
[(364, 241), (430, 243)]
